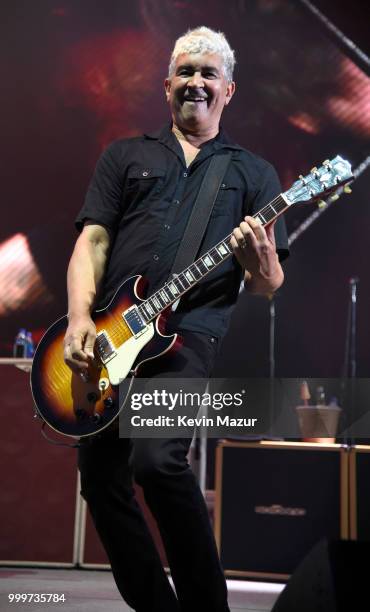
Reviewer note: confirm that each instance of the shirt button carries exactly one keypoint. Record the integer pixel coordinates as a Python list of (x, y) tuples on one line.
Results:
[(167, 227), (155, 257), (145, 173), (185, 174), (176, 201), (223, 185)]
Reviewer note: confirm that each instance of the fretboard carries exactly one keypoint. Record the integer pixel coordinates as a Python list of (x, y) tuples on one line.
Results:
[(179, 284)]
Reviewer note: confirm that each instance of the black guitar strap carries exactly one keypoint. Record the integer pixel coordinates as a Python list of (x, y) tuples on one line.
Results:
[(201, 212)]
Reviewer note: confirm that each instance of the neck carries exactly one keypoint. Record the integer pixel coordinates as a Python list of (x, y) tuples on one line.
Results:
[(195, 137)]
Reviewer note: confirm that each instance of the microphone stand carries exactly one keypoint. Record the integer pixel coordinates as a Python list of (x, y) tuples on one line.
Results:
[(350, 365)]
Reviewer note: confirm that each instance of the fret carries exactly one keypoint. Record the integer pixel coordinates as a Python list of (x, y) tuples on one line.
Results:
[(206, 259), (169, 293), (159, 298), (275, 211), (222, 249), (164, 296), (195, 271), (183, 280), (156, 302), (216, 256), (201, 265), (262, 218), (152, 305), (189, 276), (172, 287), (179, 285), (149, 308)]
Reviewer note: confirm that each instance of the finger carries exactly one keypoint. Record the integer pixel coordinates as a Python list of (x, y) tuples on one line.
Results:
[(89, 344), (75, 365), (257, 228), (241, 237), (249, 238)]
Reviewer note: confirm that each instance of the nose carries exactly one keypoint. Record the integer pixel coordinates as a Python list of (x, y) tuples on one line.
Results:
[(196, 80)]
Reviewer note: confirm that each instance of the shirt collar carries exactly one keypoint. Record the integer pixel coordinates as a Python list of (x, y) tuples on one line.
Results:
[(221, 141)]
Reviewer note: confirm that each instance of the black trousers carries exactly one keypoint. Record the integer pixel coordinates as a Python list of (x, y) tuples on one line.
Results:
[(108, 464)]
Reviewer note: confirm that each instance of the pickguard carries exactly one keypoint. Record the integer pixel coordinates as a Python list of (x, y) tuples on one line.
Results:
[(120, 365)]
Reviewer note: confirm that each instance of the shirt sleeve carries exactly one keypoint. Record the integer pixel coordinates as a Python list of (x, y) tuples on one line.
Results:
[(268, 188), (104, 197)]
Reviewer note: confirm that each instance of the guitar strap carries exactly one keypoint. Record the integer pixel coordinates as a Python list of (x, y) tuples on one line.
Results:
[(201, 212)]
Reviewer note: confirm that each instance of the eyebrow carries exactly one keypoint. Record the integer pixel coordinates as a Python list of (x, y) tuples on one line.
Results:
[(191, 67)]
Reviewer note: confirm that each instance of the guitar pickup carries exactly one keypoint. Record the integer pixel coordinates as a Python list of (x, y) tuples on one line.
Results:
[(134, 321), (104, 347)]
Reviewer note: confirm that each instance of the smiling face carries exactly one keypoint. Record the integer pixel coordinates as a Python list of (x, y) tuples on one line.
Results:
[(197, 92)]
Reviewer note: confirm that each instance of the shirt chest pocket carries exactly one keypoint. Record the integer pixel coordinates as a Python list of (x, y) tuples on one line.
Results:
[(229, 199), (144, 182)]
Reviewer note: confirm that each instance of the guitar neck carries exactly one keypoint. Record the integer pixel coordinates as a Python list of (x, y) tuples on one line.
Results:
[(180, 283)]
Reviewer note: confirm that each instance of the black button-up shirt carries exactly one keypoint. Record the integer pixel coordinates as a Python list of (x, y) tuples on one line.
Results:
[(143, 193)]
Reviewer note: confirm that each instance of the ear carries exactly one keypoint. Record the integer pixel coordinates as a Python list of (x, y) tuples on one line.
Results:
[(167, 88), (229, 92)]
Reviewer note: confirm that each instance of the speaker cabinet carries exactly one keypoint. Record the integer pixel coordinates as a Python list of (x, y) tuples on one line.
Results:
[(38, 483), (332, 578), (275, 501), (359, 469)]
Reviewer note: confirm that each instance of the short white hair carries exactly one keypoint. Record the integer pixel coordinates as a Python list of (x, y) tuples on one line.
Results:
[(204, 40)]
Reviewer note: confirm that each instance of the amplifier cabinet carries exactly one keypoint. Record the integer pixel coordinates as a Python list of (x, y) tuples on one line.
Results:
[(38, 510), (359, 492), (275, 501)]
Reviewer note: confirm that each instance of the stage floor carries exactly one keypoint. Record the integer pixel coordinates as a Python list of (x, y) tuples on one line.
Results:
[(95, 591)]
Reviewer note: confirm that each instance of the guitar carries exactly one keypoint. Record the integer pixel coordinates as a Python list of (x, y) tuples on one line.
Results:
[(129, 329)]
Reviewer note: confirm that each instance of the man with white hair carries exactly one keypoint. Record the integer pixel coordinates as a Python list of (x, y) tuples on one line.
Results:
[(135, 213)]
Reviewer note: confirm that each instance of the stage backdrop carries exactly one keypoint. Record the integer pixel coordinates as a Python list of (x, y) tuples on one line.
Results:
[(77, 75)]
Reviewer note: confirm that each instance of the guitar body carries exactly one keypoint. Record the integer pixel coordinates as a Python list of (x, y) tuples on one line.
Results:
[(77, 408)]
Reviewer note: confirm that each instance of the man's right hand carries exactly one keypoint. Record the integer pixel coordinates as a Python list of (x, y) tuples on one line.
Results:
[(79, 343)]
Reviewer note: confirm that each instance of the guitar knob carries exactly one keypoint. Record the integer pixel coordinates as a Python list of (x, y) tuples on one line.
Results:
[(347, 189), (321, 204), (92, 397), (109, 402)]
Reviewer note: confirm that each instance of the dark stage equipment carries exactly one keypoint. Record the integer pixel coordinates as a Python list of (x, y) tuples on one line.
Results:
[(332, 578), (275, 501)]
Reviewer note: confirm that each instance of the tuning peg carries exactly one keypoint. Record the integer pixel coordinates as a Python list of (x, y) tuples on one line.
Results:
[(321, 203), (313, 170), (326, 162), (334, 197), (301, 178), (347, 189)]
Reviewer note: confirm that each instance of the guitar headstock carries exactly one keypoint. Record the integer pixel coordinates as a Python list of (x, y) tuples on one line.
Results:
[(320, 182)]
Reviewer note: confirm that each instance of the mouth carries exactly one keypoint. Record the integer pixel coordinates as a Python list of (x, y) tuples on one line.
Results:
[(196, 99)]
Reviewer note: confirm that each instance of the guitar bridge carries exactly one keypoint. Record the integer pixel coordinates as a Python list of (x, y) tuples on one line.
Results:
[(105, 347)]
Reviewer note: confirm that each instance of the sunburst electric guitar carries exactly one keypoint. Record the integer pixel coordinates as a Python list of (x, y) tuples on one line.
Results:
[(129, 329)]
